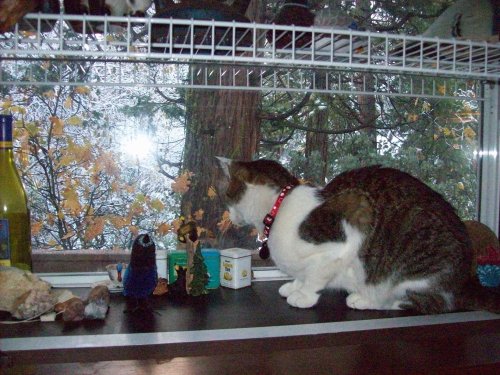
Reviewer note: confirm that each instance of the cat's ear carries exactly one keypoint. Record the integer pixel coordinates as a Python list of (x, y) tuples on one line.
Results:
[(224, 163)]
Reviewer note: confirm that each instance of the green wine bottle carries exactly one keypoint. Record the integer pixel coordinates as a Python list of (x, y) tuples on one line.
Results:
[(15, 231)]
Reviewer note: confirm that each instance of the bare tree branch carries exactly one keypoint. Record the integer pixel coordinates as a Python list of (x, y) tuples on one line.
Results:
[(292, 111), (283, 141), (169, 99), (339, 131), (161, 162)]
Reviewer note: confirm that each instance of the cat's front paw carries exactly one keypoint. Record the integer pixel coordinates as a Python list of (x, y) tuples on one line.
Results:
[(287, 289), (358, 302), (302, 300)]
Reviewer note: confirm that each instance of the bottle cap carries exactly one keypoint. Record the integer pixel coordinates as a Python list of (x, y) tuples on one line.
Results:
[(5, 130)]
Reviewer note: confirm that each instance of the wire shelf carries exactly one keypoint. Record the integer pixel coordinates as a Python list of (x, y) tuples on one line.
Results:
[(232, 77), (267, 55)]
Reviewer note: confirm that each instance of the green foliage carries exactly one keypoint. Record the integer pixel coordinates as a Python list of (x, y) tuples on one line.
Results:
[(433, 140)]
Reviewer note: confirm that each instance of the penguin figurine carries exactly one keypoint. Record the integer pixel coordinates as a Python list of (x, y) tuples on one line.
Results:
[(141, 276)]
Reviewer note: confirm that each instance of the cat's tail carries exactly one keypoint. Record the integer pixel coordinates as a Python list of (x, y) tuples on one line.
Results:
[(476, 297)]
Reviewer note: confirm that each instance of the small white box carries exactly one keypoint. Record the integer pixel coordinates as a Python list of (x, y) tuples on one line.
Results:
[(235, 268)]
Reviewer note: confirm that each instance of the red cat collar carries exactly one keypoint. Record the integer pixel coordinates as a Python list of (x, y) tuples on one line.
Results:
[(269, 220)]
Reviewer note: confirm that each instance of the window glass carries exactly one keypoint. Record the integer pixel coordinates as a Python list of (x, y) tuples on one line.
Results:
[(101, 164), (110, 155)]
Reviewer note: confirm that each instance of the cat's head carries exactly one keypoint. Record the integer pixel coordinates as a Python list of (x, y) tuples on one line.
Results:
[(248, 185)]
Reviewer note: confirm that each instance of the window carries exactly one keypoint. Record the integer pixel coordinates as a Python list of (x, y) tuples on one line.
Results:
[(101, 164), (112, 146)]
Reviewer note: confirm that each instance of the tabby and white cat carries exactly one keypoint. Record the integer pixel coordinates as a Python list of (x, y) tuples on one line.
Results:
[(380, 234)]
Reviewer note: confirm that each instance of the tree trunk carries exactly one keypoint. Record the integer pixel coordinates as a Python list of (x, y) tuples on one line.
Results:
[(218, 123), (367, 109), (316, 151)]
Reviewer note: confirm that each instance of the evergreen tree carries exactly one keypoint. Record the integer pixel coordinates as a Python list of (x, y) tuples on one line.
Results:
[(199, 272)]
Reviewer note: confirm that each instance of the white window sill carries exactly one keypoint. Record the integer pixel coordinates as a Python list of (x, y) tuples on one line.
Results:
[(87, 279)]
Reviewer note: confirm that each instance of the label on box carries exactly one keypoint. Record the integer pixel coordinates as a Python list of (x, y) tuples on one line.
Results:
[(228, 272), (235, 271)]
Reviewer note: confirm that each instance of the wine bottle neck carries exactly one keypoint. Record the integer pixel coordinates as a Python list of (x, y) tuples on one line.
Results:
[(5, 132)]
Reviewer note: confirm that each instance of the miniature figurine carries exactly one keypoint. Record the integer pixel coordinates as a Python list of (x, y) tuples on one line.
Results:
[(187, 230), (196, 275), (178, 287), (141, 276), (119, 269), (199, 280)]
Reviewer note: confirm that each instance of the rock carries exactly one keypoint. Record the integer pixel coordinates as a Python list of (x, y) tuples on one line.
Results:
[(15, 283), (97, 303), (72, 310), (33, 303)]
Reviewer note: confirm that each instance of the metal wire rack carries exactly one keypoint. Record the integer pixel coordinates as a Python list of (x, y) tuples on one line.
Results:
[(155, 51)]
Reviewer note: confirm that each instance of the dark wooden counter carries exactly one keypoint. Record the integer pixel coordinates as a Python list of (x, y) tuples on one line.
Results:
[(255, 326)]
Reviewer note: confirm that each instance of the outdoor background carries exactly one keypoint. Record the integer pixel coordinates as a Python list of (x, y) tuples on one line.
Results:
[(101, 164)]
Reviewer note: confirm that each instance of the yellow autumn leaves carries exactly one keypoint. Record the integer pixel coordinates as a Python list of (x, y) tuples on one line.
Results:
[(453, 128), (466, 133), (84, 191), (211, 193), (225, 222), (92, 225), (181, 185), (76, 153), (58, 123), (57, 126)]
